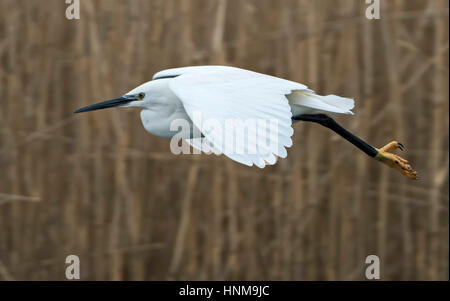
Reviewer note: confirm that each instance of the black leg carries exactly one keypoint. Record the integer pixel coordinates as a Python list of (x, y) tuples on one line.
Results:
[(329, 122)]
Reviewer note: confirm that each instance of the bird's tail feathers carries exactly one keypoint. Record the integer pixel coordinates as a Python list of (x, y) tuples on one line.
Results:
[(328, 104)]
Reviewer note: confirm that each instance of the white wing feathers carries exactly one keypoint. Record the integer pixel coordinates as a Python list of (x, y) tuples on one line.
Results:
[(224, 94), (221, 94)]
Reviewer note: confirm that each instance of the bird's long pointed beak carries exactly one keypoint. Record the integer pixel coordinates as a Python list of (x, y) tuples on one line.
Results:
[(107, 104)]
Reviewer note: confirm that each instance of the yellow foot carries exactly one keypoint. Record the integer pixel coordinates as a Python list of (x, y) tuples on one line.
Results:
[(395, 161)]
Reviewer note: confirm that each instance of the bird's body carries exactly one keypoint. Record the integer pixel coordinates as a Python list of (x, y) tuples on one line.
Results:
[(223, 94), (167, 106)]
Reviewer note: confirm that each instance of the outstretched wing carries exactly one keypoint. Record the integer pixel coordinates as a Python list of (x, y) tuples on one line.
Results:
[(232, 106)]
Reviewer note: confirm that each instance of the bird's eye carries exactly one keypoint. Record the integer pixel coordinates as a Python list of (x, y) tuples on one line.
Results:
[(141, 95)]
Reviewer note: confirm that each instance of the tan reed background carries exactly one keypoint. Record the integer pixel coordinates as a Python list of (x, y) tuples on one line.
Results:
[(98, 186)]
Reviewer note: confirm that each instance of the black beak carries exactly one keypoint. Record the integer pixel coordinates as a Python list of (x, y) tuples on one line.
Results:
[(107, 104)]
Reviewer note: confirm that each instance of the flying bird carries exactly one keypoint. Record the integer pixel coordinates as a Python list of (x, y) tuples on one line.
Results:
[(223, 93)]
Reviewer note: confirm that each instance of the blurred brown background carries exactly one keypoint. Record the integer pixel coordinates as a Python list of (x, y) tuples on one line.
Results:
[(98, 186)]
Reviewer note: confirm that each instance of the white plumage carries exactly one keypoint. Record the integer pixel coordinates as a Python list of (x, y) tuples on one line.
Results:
[(223, 93)]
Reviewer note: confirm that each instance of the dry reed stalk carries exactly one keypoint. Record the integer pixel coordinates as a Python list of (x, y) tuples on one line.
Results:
[(183, 226), (397, 124), (438, 113), (217, 234), (366, 109), (296, 64), (312, 20)]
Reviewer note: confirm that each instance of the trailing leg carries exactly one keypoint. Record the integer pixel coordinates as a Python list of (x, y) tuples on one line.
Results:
[(383, 154)]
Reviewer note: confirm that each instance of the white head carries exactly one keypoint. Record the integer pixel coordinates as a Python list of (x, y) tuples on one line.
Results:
[(139, 97)]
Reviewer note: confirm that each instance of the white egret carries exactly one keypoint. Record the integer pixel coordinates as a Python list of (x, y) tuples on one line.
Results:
[(221, 93)]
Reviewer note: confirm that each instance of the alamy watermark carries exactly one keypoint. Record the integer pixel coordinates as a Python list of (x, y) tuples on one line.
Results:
[(250, 136), (73, 9), (73, 268), (373, 269), (373, 10)]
